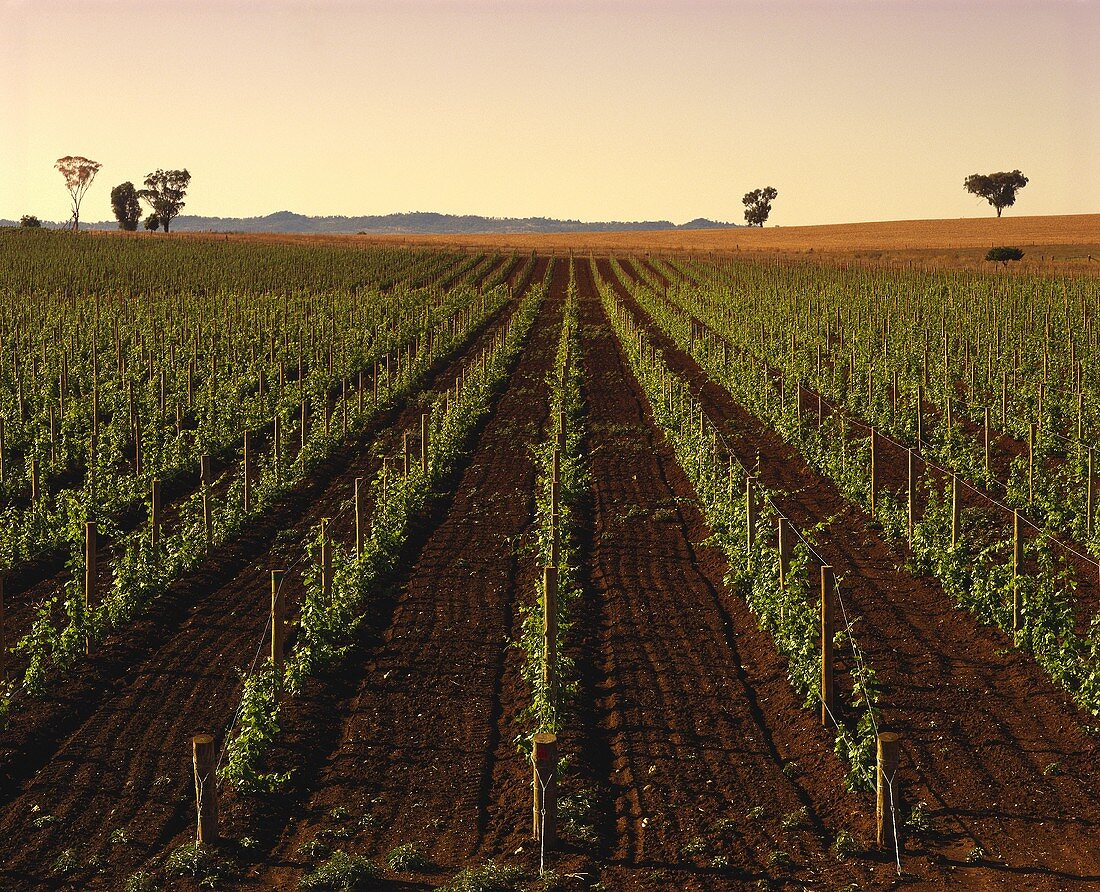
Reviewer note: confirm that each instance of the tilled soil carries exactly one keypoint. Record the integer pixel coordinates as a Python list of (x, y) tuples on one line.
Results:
[(112, 782), (716, 776), (1000, 756), (437, 700)]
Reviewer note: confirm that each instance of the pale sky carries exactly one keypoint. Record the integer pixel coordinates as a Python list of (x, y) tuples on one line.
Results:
[(610, 110)]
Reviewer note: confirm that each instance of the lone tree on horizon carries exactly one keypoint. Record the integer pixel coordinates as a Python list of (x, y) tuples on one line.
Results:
[(999, 189), (164, 191), (758, 205), (125, 204), (78, 173)]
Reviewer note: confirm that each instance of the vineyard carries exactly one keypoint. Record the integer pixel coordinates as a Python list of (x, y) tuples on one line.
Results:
[(326, 566)]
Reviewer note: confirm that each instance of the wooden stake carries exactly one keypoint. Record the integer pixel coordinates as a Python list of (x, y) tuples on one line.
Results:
[(326, 560), (1017, 564), (1031, 464), (89, 573), (828, 689), (985, 425), (424, 444), (956, 509), (911, 491), (784, 551), (3, 633), (278, 622), (874, 474), (750, 515), (358, 518), (154, 515), (205, 476), (247, 470), (206, 789), (544, 760), (550, 634), (888, 791)]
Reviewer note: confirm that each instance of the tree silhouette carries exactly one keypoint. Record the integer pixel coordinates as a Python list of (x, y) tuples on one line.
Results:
[(125, 204), (78, 173), (164, 191), (758, 205), (999, 189)]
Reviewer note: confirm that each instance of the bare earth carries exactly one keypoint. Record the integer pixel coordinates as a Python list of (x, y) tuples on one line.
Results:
[(1068, 241)]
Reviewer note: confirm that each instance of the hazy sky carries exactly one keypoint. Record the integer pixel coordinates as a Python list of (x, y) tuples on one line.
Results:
[(628, 110)]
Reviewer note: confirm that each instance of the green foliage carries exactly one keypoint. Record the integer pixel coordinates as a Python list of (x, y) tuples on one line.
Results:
[(125, 205), (1003, 255), (342, 872), (758, 205), (408, 856), (999, 189), (30, 221), (489, 877)]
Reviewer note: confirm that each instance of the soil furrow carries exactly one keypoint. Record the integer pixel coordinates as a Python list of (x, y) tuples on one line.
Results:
[(432, 713), (117, 783), (695, 715), (1001, 757)]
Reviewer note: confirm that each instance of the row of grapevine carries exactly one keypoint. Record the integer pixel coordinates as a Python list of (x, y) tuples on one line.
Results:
[(339, 580), (1023, 586), (71, 620), (777, 588)]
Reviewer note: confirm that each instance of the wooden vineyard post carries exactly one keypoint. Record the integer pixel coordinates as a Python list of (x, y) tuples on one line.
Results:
[(3, 633), (920, 415), (277, 447), (784, 551), (405, 446), (828, 689), (154, 519), (278, 622), (1031, 464), (207, 518), (888, 791), (358, 518), (544, 783), (750, 515), (2, 474), (555, 494), (34, 481), (326, 561), (1088, 494), (247, 469), (424, 444), (956, 508), (911, 491), (874, 479), (986, 426), (305, 423), (89, 574), (550, 634), (206, 789), (1017, 562)]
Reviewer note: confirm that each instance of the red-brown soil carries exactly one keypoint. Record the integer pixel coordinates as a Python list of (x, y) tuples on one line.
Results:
[(1004, 761), (434, 705), (684, 701), (109, 752)]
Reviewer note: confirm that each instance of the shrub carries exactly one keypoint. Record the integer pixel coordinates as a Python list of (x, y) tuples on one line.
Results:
[(342, 873), (30, 221), (1003, 255)]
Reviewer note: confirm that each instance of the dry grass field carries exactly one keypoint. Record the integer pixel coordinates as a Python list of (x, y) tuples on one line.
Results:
[(1069, 241)]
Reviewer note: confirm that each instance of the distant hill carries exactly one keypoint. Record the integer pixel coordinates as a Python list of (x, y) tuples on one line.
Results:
[(419, 222)]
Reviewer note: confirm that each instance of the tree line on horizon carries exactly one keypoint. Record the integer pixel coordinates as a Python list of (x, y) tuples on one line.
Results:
[(164, 193), (165, 190)]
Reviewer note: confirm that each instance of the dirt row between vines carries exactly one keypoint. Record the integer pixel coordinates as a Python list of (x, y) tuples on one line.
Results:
[(103, 767), (28, 585), (433, 693), (1000, 756), (704, 770)]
